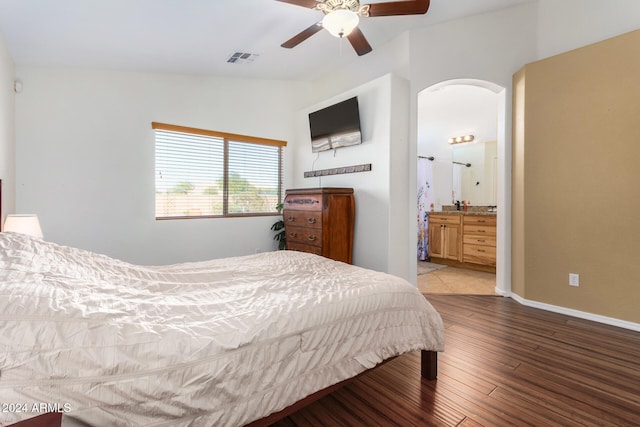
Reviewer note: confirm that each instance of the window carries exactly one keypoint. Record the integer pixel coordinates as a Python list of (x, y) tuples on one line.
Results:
[(202, 173)]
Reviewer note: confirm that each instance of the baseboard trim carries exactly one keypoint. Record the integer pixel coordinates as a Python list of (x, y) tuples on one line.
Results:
[(503, 293), (574, 313)]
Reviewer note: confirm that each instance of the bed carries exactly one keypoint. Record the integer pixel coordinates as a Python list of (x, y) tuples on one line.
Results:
[(222, 342)]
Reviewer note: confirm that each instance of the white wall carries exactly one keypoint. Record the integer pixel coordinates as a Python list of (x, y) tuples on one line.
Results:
[(382, 105), (569, 24), (400, 262), (391, 58), (85, 157), (7, 131)]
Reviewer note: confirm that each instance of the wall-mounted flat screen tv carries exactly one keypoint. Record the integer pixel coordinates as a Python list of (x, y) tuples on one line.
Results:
[(335, 126)]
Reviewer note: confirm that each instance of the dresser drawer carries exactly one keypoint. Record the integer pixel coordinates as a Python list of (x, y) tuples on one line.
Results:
[(479, 219), (479, 240), (444, 219), (311, 219), (303, 202), (304, 248), (485, 255), (484, 230), (306, 236)]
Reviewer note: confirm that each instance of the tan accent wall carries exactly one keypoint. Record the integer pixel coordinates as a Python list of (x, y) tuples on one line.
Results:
[(576, 179)]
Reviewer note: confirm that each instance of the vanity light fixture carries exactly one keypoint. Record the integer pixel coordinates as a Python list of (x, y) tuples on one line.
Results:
[(461, 139)]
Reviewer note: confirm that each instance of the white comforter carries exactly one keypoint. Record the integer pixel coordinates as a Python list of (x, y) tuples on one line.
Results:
[(222, 342)]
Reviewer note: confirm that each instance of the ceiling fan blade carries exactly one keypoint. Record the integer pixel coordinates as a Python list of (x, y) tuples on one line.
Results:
[(302, 36), (411, 7), (304, 3), (359, 42)]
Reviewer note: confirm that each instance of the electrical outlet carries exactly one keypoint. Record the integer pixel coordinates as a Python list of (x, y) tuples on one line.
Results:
[(574, 279)]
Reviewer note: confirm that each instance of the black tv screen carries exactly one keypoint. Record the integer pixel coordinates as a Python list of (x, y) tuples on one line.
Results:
[(335, 126)]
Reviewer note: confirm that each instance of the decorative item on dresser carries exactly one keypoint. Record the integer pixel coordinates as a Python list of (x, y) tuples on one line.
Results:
[(320, 221)]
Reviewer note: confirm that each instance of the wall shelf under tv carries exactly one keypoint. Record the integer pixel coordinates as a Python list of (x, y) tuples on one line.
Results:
[(337, 171)]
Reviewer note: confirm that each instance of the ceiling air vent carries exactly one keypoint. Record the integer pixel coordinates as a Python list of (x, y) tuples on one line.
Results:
[(242, 58)]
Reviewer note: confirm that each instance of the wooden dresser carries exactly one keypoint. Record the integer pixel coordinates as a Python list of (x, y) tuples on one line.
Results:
[(320, 221)]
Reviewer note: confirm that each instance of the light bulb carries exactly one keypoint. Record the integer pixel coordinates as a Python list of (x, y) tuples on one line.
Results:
[(340, 22)]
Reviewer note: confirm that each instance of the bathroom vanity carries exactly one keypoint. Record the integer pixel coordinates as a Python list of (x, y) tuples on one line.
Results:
[(463, 239)]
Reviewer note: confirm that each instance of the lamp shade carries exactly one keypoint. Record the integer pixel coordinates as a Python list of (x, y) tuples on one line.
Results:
[(24, 224), (340, 22)]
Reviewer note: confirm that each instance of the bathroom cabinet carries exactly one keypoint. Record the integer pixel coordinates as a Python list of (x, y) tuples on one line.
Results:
[(479, 239), (444, 236), (463, 240)]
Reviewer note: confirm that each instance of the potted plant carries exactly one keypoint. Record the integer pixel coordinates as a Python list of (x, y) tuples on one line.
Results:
[(278, 227)]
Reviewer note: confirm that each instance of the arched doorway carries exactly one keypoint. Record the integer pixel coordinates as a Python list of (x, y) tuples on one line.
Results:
[(446, 110)]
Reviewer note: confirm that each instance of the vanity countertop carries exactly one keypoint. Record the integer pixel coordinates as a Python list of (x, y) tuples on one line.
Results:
[(462, 213)]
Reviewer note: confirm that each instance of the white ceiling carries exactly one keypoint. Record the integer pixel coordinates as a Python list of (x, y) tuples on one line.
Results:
[(196, 36)]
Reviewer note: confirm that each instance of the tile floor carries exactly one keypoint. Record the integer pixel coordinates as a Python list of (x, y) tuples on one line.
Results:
[(454, 280)]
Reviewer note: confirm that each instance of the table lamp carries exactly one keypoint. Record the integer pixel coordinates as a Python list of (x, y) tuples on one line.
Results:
[(24, 224)]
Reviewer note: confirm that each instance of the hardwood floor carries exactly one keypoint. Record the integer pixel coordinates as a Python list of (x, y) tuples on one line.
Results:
[(504, 364)]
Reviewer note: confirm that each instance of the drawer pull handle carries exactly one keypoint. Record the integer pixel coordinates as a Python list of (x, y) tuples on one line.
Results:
[(312, 220), (481, 250), (481, 240), (293, 234), (291, 218), (481, 231), (311, 238)]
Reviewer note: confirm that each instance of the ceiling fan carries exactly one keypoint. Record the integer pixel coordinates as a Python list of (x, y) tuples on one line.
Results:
[(341, 18)]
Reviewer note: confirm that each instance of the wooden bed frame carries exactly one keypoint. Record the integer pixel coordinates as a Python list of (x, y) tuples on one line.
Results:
[(428, 370)]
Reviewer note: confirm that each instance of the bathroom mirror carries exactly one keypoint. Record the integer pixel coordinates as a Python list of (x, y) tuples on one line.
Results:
[(475, 172)]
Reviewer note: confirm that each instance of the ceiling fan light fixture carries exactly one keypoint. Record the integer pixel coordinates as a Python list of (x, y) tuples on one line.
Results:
[(340, 22)]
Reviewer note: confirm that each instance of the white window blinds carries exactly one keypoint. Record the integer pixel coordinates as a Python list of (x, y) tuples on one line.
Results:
[(203, 173)]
